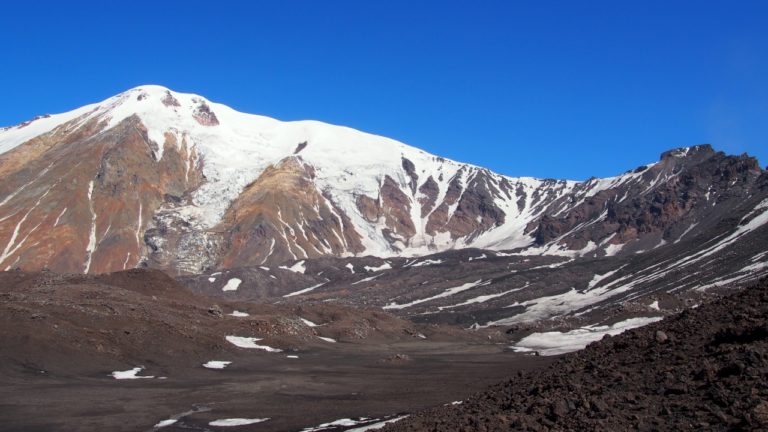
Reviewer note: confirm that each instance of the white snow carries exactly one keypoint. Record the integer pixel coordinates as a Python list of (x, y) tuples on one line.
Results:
[(377, 425), (130, 374), (292, 356), (613, 249), (329, 425), (385, 266), (426, 262), (448, 292), (236, 422), (308, 322), (350, 267), (239, 314), (232, 284), (92, 236), (654, 305), (165, 423), (211, 279), (216, 364), (327, 339), (250, 342), (348, 422), (596, 279), (298, 267), (368, 279), (554, 343), (16, 135), (484, 298), (305, 290)]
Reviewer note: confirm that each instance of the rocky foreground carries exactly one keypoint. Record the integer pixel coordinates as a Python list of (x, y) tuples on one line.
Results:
[(704, 369)]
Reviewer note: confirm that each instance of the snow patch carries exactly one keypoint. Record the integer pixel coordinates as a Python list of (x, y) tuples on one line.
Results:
[(554, 343), (385, 266), (427, 262), (368, 279), (216, 364), (250, 342), (239, 314), (129, 374), (165, 423), (308, 322), (232, 284), (236, 422), (298, 267), (305, 290)]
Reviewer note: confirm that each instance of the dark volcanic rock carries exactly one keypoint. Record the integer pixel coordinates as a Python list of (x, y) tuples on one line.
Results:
[(711, 373)]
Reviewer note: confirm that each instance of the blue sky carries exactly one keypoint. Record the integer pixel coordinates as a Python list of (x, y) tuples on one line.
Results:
[(564, 89)]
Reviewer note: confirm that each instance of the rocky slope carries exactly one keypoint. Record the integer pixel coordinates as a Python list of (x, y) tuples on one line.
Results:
[(173, 181), (82, 324), (705, 368)]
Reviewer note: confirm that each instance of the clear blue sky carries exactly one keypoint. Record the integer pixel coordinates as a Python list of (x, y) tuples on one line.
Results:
[(565, 89)]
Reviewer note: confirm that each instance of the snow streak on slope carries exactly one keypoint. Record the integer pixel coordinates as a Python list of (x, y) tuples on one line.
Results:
[(448, 292)]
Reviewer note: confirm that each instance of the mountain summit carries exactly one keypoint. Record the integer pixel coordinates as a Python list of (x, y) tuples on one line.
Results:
[(174, 181)]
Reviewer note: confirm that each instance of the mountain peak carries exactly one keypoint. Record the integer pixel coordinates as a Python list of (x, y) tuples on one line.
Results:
[(696, 150)]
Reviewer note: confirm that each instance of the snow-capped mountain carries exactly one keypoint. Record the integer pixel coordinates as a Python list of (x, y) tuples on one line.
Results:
[(174, 181)]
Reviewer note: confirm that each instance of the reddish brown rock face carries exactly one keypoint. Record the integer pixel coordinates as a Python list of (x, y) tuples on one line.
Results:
[(81, 204), (281, 216)]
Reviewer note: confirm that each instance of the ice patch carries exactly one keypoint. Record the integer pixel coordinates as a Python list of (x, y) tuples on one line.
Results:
[(236, 422), (327, 339), (250, 342), (292, 356), (129, 374), (216, 364), (554, 343), (232, 284)]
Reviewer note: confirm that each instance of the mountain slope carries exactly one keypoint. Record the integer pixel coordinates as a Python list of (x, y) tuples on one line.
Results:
[(174, 181)]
